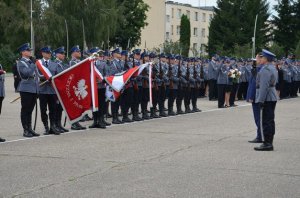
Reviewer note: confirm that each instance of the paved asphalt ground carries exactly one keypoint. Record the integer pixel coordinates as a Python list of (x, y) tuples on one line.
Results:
[(196, 155)]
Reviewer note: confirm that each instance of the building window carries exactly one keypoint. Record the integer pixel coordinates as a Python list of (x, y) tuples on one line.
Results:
[(188, 13), (203, 17), (203, 32), (202, 48), (196, 32), (178, 30), (178, 13), (172, 13), (196, 16), (172, 30), (168, 18), (167, 35), (210, 17)]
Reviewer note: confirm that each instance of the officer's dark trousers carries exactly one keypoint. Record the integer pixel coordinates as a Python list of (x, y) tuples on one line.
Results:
[(155, 96), (162, 97), (28, 101), (101, 102), (287, 89), (115, 107), (58, 114), (1, 99), (145, 99), (136, 96), (187, 97), (172, 97), (221, 95), (194, 96), (180, 96), (256, 114), (294, 88), (233, 94), (50, 101), (212, 89), (268, 121), (127, 100), (242, 93)]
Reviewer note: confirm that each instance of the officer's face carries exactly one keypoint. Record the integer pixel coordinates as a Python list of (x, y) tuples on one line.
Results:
[(26, 53), (146, 58), (172, 61), (263, 60), (258, 60), (76, 55), (46, 55), (137, 56), (61, 56)]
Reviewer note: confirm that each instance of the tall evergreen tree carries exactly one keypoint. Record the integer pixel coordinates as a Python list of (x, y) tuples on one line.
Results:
[(285, 34), (185, 35), (233, 25), (134, 15)]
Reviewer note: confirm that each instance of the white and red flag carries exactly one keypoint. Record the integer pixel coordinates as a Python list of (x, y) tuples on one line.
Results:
[(76, 89), (44, 70)]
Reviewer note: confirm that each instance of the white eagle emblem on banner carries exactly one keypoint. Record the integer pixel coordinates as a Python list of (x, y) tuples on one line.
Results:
[(80, 90)]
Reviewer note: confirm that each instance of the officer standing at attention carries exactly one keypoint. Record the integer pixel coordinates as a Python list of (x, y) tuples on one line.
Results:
[(28, 88), (115, 68), (60, 55), (266, 96), (2, 92), (76, 55), (212, 78), (251, 98), (47, 94)]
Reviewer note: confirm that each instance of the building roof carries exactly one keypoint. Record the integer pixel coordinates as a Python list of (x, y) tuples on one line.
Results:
[(208, 8)]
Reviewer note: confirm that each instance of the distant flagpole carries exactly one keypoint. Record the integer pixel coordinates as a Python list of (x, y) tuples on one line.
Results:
[(67, 32)]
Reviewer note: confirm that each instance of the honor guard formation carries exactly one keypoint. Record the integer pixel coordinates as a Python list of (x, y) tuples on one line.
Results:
[(177, 79)]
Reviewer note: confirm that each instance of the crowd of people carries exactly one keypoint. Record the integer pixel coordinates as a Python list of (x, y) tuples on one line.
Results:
[(179, 80)]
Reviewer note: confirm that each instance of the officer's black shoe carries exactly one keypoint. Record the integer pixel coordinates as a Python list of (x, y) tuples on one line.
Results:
[(165, 109), (2, 140), (94, 125), (195, 109), (171, 112), (116, 121), (163, 114), (34, 133), (106, 123), (62, 128), (264, 147), (80, 127), (145, 115), (27, 133), (179, 112), (126, 119), (101, 125), (109, 115), (255, 141), (188, 110), (153, 113), (54, 130)]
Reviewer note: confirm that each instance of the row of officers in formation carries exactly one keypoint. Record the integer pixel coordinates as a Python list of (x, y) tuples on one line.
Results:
[(178, 79)]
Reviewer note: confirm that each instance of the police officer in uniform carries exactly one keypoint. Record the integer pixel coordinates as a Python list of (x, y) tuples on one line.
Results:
[(2, 92), (98, 116), (115, 68), (156, 84), (212, 78), (28, 88), (222, 81), (173, 86), (76, 55), (60, 55), (145, 86), (267, 97), (251, 98), (195, 93), (183, 83), (161, 85), (47, 94)]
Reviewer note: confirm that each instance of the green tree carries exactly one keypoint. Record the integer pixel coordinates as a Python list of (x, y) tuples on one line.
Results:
[(133, 19), (285, 34), (297, 51), (185, 35), (233, 24), (277, 50)]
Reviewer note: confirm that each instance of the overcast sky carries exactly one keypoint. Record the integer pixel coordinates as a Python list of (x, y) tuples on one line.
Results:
[(213, 3)]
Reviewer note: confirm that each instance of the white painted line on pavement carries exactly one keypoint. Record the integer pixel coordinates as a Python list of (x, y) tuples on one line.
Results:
[(114, 125)]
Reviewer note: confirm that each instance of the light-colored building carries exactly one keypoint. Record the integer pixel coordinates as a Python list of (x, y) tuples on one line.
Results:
[(163, 20), (154, 33), (200, 18)]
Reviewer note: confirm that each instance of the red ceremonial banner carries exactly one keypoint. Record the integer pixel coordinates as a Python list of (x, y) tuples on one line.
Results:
[(74, 89)]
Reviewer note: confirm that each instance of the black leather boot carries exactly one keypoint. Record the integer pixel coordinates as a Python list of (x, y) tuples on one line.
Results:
[(116, 119), (2, 140), (153, 113), (26, 132)]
